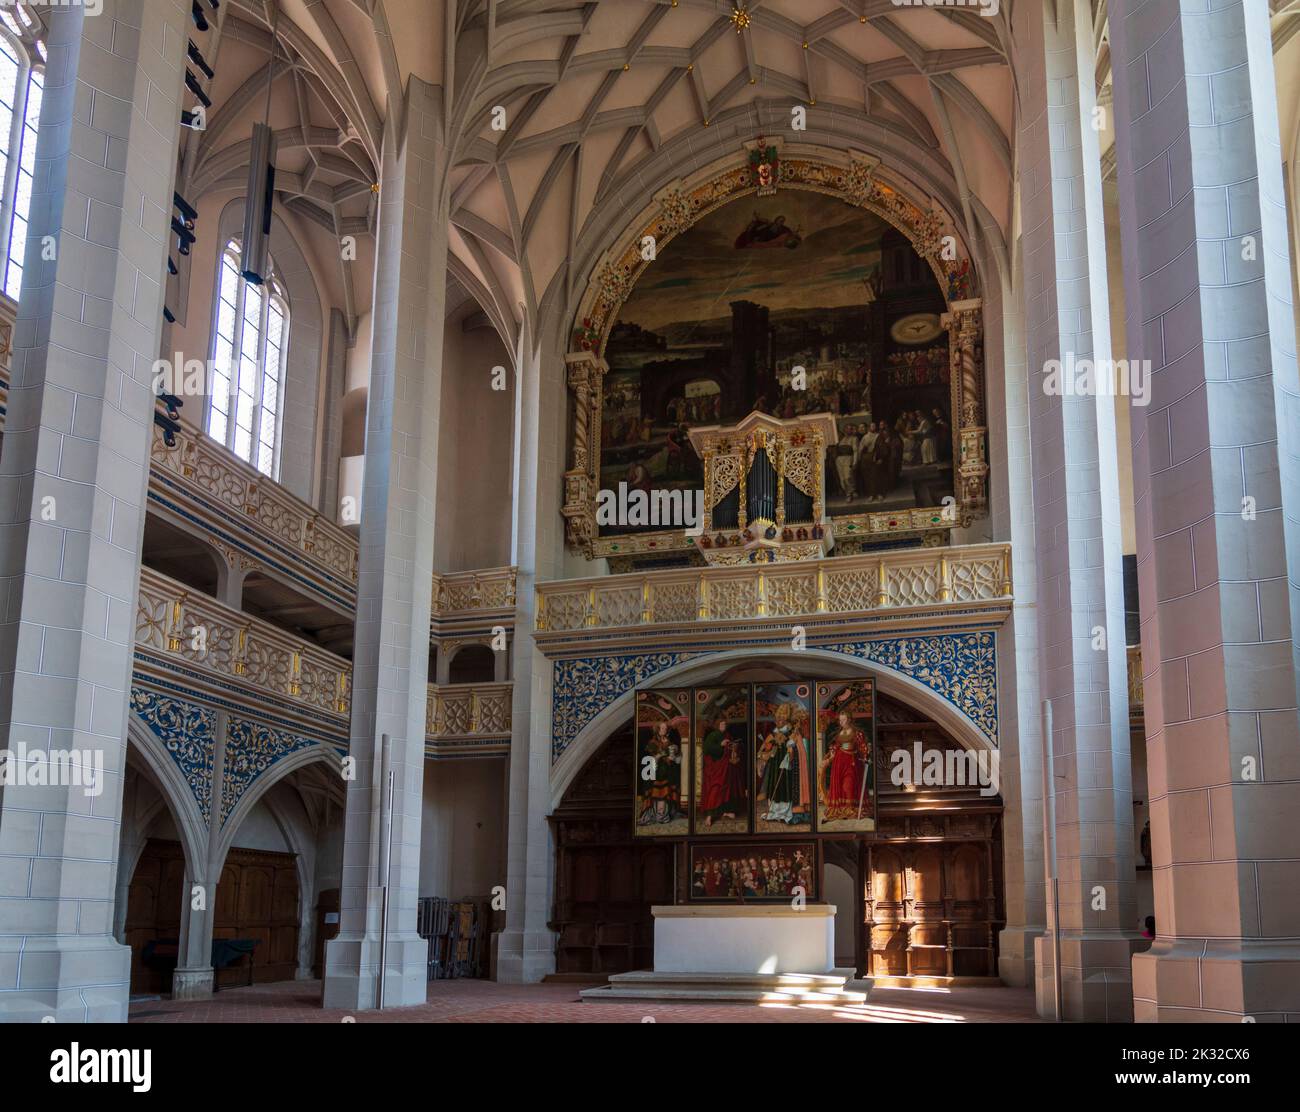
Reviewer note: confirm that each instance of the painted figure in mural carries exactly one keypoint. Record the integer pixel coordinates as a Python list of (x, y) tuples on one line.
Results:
[(925, 431), (662, 803), (638, 477), (881, 455), (911, 446), (844, 453), (864, 462), (843, 769), (722, 794), (676, 445), (785, 782), (942, 436), (768, 233)]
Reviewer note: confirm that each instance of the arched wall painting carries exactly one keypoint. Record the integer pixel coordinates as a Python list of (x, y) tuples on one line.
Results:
[(719, 323)]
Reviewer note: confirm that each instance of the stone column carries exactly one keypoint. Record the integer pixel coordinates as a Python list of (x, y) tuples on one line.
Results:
[(194, 977), (1207, 273), (1077, 523), (232, 570), (1020, 747), (395, 580), (73, 478), (525, 950)]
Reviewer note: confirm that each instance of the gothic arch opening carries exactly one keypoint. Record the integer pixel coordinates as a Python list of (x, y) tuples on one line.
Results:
[(922, 896), (472, 664)]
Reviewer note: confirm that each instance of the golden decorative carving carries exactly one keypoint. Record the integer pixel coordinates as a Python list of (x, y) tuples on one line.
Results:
[(216, 477), (1136, 693), (581, 482), (796, 448), (264, 662)]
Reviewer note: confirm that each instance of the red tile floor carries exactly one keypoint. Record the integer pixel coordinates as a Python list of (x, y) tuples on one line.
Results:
[(471, 1001)]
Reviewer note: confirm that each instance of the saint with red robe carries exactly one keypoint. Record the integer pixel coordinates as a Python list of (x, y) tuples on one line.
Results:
[(722, 787), (842, 772)]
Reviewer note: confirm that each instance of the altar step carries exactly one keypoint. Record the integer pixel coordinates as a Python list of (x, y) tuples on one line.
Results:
[(730, 988), (933, 980)]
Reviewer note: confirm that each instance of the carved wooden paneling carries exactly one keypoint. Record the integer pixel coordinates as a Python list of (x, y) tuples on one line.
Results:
[(605, 882)]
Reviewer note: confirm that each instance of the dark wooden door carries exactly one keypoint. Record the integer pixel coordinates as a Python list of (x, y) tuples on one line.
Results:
[(153, 914), (257, 898)]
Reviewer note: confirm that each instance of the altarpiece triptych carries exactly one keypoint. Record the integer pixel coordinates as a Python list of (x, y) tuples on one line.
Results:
[(756, 764)]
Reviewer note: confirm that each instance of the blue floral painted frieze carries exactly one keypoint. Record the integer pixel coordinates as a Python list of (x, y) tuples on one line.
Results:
[(187, 733), (252, 748), (960, 668), (585, 686)]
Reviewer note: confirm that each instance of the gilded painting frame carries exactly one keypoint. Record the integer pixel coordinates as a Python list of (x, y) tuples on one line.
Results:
[(846, 756), (722, 729), (662, 770), (753, 861), (784, 789), (854, 178)]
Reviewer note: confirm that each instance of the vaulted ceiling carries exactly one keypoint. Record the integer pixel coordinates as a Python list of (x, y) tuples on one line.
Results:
[(585, 94), (558, 110), (593, 92)]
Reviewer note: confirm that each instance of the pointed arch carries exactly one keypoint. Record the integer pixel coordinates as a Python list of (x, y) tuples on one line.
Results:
[(257, 792), (166, 776), (826, 664)]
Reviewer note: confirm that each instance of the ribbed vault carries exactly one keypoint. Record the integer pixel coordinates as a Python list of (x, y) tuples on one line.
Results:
[(560, 113)]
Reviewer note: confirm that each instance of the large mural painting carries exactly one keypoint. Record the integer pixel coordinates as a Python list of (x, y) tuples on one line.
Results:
[(792, 304)]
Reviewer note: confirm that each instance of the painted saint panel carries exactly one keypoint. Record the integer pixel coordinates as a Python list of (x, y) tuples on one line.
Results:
[(754, 871), (663, 746), (722, 760), (846, 780), (783, 765)]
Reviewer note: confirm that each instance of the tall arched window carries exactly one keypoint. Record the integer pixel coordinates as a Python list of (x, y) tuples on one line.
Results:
[(21, 86), (250, 344)]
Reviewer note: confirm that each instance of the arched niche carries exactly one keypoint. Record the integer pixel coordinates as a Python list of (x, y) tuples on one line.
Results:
[(472, 663), (925, 887), (783, 664), (719, 243)]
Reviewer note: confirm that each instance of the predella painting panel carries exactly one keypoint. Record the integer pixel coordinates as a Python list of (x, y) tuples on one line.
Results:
[(663, 747), (783, 768), (718, 322), (754, 871), (846, 777), (722, 759)]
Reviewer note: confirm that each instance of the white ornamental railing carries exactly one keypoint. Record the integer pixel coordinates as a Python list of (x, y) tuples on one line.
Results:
[(243, 654), (201, 467), (925, 577)]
